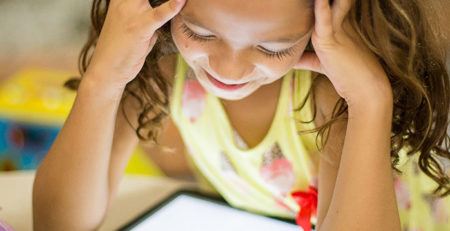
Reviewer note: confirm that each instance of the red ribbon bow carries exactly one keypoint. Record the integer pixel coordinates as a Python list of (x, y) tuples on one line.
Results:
[(307, 200)]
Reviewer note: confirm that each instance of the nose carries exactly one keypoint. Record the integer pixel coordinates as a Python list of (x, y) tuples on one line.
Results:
[(231, 66)]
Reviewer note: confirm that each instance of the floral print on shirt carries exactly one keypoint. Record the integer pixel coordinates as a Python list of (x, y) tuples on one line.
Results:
[(277, 171), (402, 193), (439, 211), (193, 99)]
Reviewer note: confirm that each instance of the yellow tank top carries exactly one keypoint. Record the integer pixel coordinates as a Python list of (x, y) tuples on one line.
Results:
[(261, 179)]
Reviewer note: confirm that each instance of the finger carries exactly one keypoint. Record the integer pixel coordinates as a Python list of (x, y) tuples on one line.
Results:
[(322, 12), (157, 17), (309, 61), (152, 42), (339, 10)]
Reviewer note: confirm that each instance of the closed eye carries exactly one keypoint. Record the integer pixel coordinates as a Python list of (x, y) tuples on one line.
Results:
[(192, 35), (204, 38)]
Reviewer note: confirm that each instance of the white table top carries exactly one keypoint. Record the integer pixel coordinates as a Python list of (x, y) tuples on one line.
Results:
[(136, 194)]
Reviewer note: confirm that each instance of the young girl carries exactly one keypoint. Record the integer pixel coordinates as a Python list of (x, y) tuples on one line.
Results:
[(345, 133)]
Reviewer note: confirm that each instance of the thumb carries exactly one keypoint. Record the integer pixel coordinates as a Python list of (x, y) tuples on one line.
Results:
[(309, 61)]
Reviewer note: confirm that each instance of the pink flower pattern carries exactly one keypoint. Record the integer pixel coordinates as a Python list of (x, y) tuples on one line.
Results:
[(277, 171), (193, 99), (440, 211), (402, 193)]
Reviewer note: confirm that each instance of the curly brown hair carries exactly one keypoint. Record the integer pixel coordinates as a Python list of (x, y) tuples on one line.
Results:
[(401, 35)]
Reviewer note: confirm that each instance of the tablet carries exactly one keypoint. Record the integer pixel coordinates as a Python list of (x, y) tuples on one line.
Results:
[(191, 210)]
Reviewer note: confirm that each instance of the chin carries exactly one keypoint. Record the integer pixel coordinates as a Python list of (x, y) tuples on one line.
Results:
[(233, 97)]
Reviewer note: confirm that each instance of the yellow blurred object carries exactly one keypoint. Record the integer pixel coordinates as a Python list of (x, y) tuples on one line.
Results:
[(141, 164), (37, 96)]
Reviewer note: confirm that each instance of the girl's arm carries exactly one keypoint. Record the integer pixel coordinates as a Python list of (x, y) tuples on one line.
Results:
[(74, 183), (356, 190), (359, 192), (80, 173)]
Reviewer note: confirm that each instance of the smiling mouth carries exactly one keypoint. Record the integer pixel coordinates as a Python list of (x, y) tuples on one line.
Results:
[(224, 86)]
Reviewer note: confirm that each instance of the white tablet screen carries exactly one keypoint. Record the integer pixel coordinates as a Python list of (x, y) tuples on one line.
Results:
[(190, 213)]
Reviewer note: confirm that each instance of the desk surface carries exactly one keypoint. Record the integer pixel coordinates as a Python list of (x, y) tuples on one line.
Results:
[(136, 194)]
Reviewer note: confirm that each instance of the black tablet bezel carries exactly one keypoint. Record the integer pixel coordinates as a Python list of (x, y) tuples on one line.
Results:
[(193, 193)]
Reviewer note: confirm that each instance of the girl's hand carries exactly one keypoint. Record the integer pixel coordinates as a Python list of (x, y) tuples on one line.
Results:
[(127, 37), (341, 55)]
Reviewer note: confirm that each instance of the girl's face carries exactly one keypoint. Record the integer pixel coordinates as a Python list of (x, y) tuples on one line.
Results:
[(236, 46)]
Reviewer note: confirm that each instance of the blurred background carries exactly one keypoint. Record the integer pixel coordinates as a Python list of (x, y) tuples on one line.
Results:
[(39, 45), (40, 41)]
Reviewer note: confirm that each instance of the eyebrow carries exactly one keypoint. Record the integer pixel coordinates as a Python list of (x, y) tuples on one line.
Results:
[(288, 39)]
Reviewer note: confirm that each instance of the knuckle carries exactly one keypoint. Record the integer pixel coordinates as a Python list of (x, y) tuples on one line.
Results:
[(143, 4), (173, 5), (158, 15), (132, 27)]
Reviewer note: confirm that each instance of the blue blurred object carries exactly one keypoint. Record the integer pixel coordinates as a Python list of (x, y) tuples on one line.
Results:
[(23, 145), (33, 107)]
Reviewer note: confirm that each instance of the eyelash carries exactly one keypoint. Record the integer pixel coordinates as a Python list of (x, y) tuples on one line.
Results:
[(272, 54)]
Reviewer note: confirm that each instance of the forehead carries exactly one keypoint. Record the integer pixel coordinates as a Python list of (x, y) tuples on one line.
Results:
[(257, 16)]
